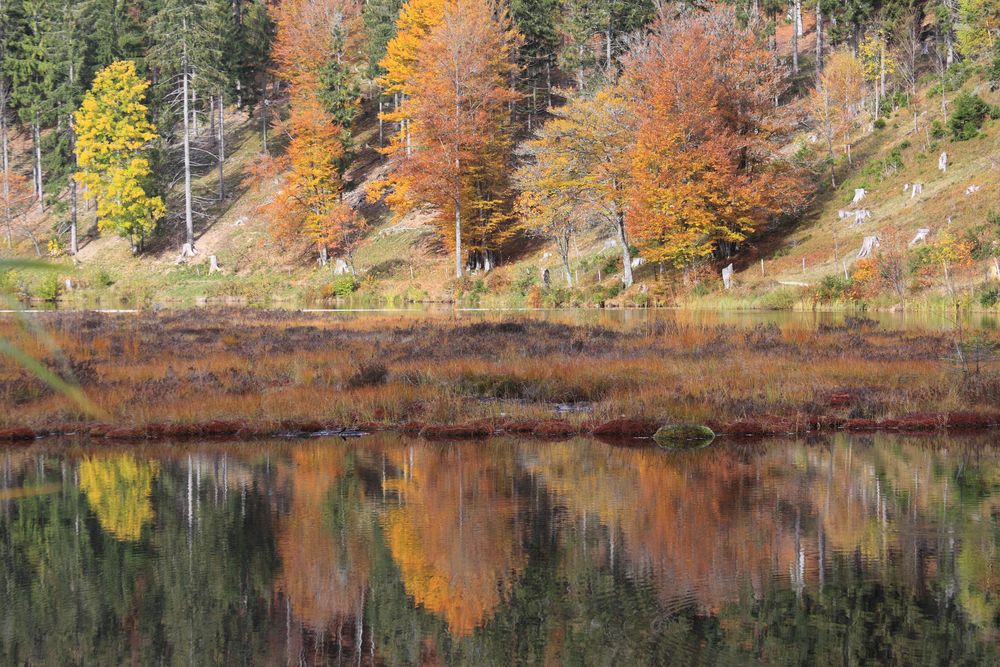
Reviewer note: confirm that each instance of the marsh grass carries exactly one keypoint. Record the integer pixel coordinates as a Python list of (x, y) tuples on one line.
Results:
[(192, 366)]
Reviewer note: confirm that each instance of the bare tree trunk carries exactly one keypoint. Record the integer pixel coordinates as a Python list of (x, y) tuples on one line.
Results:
[(188, 219), (34, 242), (563, 244), (819, 37), (626, 253), (458, 236), (73, 247), (222, 150), (263, 118), (194, 111), (548, 83), (607, 49), (795, 37), (73, 206), (6, 172), (36, 138), (828, 131)]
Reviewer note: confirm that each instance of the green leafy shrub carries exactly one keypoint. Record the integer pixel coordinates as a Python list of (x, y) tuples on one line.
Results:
[(990, 296), (344, 286), (782, 299), (980, 242), (879, 123), (954, 78), (832, 288), (104, 279), (555, 297), (527, 277), (968, 116), (937, 130), (920, 258), (993, 71), (50, 288), (887, 166), (993, 219)]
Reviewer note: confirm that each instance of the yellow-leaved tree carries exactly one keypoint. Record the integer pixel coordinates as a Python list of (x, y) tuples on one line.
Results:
[(837, 103), (112, 133), (581, 169)]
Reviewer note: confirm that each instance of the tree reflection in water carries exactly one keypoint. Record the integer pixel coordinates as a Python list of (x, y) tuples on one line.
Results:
[(396, 551)]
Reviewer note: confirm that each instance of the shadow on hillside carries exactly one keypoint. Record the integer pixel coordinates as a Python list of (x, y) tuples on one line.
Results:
[(208, 210), (766, 244)]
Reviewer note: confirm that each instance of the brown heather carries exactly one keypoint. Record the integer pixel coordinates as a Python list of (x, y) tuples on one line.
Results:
[(268, 367)]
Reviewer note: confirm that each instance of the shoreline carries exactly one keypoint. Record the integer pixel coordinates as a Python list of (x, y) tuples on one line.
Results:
[(636, 428)]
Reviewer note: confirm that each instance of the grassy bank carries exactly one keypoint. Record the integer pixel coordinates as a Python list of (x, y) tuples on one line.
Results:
[(269, 367)]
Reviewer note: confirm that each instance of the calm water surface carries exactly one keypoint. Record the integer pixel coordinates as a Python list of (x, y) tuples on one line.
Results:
[(387, 550)]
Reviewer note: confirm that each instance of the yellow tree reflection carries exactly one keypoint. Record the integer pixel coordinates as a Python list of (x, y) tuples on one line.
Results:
[(118, 490)]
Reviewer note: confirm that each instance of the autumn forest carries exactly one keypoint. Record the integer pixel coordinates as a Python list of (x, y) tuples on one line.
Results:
[(681, 136), (499, 332)]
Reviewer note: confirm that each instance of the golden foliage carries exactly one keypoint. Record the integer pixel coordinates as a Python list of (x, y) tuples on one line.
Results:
[(112, 132), (452, 64), (118, 490), (454, 536)]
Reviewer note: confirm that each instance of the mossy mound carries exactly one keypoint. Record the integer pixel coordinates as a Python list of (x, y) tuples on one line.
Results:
[(684, 436)]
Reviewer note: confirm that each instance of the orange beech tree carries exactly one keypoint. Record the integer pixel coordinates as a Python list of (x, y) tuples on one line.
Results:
[(311, 47), (703, 171), (453, 151)]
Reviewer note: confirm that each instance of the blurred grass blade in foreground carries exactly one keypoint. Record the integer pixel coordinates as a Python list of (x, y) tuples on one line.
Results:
[(7, 348)]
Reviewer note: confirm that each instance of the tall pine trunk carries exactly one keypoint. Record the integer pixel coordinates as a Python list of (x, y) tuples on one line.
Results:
[(819, 37), (188, 219), (6, 177), (73, 206), (795, 37), (222, 150), (36, 138)]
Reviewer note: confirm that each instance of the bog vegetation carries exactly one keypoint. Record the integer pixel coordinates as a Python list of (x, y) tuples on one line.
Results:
[(684, 135), (277, 371)]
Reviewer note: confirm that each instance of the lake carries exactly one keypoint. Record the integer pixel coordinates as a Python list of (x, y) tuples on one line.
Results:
[(392, 550)]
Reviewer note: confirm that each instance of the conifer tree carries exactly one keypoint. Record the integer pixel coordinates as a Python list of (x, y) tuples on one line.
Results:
[(188, 56), (116, 30), (380, 27), (29, 69)]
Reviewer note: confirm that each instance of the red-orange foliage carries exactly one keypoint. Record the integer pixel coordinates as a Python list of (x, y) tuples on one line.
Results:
[(703, 172), (454, 149), (310, 33), (324, 572)]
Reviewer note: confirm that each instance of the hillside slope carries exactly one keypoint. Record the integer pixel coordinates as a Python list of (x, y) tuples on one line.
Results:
[(401, 260)]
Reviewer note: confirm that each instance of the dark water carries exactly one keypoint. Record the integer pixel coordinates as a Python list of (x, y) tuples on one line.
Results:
[(393, 551)]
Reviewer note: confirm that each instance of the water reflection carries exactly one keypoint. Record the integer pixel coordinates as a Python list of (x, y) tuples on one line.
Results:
[(394, 551)]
